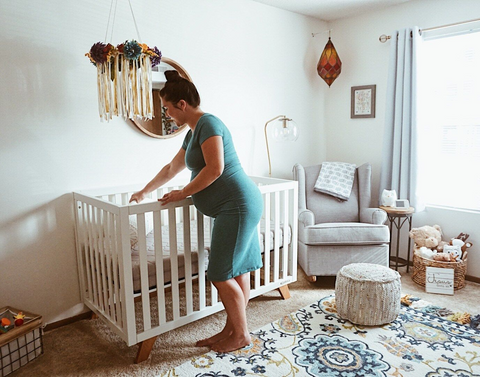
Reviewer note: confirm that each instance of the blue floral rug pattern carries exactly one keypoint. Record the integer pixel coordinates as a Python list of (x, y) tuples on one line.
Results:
[(315, 341)]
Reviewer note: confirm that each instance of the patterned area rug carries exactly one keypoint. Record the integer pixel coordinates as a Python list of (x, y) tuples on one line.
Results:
[(315, 341)]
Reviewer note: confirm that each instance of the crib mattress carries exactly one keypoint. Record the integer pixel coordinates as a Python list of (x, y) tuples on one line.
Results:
[(151, 260)]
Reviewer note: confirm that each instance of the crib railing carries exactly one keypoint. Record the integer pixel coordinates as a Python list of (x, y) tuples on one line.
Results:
[(104, 255)]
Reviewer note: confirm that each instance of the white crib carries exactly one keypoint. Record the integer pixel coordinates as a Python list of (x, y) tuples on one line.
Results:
[(144, 283)]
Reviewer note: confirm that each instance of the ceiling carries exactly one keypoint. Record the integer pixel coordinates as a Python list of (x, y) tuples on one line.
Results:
[(329, 10)]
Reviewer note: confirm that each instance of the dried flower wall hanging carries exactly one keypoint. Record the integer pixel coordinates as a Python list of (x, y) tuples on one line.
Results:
[(124, 77)]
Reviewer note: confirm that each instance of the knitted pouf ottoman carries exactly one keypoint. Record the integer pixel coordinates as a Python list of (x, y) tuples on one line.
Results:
[(367, 294)]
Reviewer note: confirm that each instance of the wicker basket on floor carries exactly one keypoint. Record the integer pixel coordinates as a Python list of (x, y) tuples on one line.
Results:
[(420, 265)]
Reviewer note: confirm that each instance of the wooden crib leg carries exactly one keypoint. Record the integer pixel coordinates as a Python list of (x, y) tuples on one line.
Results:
[(144, 350), (284, 292)]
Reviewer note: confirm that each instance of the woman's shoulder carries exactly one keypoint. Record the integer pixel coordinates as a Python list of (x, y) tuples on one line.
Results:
[(211, 122), (211, 119)]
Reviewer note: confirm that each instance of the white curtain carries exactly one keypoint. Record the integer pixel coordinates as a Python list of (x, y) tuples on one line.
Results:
[(399, 159)]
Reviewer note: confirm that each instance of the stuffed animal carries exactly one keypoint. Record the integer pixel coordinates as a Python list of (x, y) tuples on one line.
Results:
[(428, 236), (460, 242), (426, 253), (443, 257), (388, 198), (455, 251)]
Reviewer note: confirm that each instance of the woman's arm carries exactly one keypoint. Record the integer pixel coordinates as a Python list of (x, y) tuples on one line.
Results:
[(166, 174), (212, 150)]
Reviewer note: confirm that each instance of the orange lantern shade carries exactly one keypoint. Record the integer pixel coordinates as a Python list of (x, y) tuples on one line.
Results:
[(329, 66)]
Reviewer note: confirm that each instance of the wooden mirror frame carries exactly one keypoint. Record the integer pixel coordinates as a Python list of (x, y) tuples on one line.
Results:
[(151, 127)]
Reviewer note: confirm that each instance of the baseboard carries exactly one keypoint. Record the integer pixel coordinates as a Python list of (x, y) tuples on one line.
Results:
[(472, 278), (68, 321)]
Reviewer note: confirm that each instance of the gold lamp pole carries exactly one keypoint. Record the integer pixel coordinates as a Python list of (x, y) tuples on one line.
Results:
[(286, 131)]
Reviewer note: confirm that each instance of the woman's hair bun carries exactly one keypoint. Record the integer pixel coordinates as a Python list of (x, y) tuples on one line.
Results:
[(172, 76)]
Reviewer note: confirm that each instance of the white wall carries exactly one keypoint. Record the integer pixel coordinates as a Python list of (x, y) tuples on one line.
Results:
[(250, 62), (365, 62)]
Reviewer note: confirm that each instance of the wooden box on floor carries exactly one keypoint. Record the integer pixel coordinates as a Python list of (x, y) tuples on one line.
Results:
[(21, 344)]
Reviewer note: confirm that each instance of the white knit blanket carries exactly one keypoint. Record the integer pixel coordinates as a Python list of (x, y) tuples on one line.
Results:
[(336, 179)]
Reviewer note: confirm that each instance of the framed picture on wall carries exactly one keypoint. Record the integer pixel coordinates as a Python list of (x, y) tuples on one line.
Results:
[(363, 101)]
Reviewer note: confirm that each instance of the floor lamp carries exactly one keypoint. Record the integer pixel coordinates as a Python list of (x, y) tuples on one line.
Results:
[(284, 130)]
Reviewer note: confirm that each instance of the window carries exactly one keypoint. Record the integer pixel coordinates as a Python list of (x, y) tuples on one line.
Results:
[(449, 121)]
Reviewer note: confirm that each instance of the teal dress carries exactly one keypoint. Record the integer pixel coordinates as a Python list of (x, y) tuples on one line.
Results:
[(233, 200)]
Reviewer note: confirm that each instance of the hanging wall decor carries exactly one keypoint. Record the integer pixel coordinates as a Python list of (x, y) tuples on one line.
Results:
[(124, 76), (329, 65)]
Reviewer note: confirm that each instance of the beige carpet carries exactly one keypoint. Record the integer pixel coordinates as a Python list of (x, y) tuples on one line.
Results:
[(89, 348)]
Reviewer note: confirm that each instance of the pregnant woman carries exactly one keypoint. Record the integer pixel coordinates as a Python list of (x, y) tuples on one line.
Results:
[(220, 189)]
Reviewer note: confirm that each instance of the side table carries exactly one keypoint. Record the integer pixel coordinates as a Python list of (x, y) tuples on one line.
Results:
[(398, 217)]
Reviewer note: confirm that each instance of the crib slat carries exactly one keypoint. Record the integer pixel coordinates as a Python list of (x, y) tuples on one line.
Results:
[(91, 239), (116, 272), (214, 294), (124, 197), (86, 251), (142, 251), (157, 234), (187, 259), (98, 241), (90, 266), (285, 234), (201, 261), (293, 220), (172, 227), (259, 234), (109, 250), (277, 238), (213, 290), (266, 239), (78, 248), (103, 240)]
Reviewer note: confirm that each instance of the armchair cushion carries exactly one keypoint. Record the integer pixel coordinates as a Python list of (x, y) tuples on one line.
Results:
[(344, 234)]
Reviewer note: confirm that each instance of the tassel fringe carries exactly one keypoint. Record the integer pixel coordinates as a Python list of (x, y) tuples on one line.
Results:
[(125, 88)]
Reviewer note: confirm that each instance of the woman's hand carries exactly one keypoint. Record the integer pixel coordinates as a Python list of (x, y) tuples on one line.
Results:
[(172, 196), (137, 197)]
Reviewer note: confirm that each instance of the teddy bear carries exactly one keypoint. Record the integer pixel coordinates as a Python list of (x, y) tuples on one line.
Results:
[(429, 237)]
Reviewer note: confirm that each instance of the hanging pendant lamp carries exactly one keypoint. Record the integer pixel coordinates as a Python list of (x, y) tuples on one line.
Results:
[(124, 76), (329, 65)]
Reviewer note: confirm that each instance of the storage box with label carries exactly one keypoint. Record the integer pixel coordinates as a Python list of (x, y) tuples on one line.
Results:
[(439, 280), (19, 343)]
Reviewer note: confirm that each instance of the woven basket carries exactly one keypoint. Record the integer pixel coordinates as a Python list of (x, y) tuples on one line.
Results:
[(420, 265)]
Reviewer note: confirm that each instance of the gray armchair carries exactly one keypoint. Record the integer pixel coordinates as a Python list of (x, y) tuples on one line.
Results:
[(334, 233)]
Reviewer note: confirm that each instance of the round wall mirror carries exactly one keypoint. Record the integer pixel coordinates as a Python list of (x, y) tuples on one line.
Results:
[(161, 126)]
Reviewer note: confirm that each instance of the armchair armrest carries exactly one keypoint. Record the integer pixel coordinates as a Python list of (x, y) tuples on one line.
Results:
[(373, 216), (306, 218)]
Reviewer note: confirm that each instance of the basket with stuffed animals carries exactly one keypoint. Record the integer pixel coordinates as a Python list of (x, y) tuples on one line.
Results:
[(431, 251)]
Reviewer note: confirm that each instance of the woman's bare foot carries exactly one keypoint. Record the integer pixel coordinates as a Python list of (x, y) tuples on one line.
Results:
[(232, 343), (214, 339)]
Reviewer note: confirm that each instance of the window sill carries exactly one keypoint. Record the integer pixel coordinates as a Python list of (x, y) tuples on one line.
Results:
[(455, 209)]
